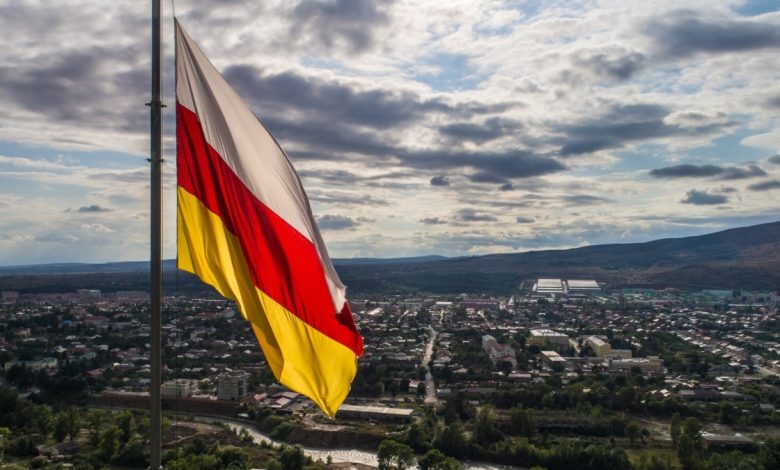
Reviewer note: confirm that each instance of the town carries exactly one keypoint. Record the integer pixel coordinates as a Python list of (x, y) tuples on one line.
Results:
[(557, 365)]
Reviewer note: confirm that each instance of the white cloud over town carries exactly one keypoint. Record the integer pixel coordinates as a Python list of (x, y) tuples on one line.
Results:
[(418, 127)]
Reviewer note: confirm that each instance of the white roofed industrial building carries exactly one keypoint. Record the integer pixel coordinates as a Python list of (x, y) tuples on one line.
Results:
[(549, 286), (582, 285)]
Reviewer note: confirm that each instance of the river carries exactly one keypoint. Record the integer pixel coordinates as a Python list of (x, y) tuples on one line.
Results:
[(430, 386), (336, 455)]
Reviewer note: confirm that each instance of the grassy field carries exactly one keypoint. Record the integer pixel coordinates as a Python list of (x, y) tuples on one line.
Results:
[(634, 455)]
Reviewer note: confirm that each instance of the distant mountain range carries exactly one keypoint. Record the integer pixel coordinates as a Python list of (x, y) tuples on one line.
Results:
[(747, 258)]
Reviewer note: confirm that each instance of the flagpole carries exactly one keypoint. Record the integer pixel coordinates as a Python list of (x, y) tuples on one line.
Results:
[(155, 290)]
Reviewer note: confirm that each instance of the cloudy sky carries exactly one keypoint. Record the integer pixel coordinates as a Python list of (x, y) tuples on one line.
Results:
[(418, 127)]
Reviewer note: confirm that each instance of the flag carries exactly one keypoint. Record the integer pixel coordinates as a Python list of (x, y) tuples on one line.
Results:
[(246, 228)]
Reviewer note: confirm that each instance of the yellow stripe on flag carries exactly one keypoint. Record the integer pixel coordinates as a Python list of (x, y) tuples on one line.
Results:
[(294, 350)]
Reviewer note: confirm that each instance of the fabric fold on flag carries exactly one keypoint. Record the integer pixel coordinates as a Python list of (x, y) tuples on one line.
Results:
[(245, 227)]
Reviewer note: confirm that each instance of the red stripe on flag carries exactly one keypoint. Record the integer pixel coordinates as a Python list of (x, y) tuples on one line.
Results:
[(283, 263)]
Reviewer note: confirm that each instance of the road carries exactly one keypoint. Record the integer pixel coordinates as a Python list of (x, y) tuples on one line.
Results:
[(766, 370), (430, 385)]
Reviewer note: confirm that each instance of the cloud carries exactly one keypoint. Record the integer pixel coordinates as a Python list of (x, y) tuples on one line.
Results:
[(336, 102), (765, 186), (683, 33), (493, 128), (622, 124), (751, 171), (475, 94), (336, 222), (621, 65), (338, 24), (703, 198), (471, 215), (704, 171), (345, 199), (584, 200), (56, 237), (348, 178), (139, 175), (774, 159), (440, 180), (93, 208), (494, 167), (98, 228), (432, 221), (686, 171)]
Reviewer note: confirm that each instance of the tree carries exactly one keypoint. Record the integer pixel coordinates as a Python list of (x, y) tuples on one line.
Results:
[(4, 433), (768, 454), (625, 398), (451, 441), (233, 457), (504, 366), (72, 423), (95, 423), (108, 445), (43, 420), (675, 427), (132, 453), (126, 423), (632, 432), (60, 427), (273, 464), (393, 455), (653, 462), (522, 422), (419, 436), (728, 413), (22, 446), (435, 460), (421, 388), (692, 428), (685, 450), (485, 431), (292, 458)]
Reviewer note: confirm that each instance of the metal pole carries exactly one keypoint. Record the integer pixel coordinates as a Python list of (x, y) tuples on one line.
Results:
[(155, 290)]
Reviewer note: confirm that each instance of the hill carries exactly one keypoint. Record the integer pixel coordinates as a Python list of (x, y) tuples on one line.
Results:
[(747, 257)]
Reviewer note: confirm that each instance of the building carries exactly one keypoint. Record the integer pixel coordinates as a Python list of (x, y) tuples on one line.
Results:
[(179, 388), (570, 287), (88, 293), (582, 286), (46, 363), (549, 339), (480, 304), (232, 385), (374, 412), (9, 296), (648, 365), (499, 352), (621, 353), (737, 441), (488, 341), (549, 286), (599, 346), (551, 358)]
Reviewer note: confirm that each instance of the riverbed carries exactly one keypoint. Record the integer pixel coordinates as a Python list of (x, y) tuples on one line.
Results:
[(336, 455)]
